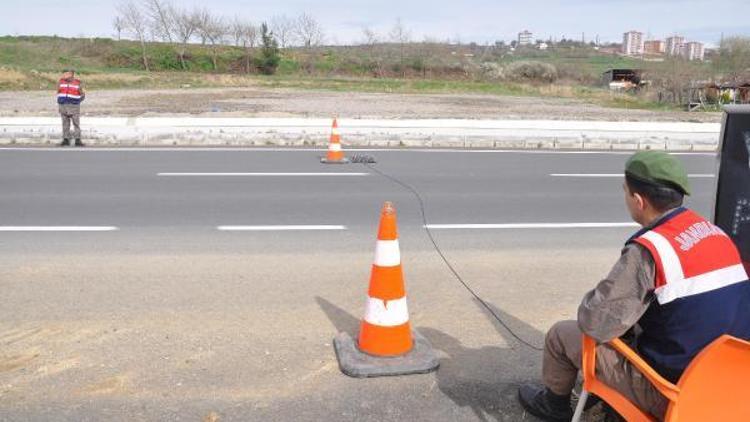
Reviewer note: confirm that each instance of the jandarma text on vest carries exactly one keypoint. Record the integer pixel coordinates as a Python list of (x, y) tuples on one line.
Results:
[(695, 233)]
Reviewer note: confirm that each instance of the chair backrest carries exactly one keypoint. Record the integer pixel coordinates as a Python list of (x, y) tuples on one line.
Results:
[(714, 386)]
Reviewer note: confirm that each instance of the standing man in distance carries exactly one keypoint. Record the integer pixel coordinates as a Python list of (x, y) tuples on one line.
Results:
[(69, 97), (679, 284)]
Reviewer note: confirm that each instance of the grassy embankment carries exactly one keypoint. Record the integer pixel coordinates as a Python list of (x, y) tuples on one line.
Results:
[(34, 63)]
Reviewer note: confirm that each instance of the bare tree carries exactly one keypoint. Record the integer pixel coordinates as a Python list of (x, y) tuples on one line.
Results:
[(734, 57), (282, 27), (236, 30), (249, 35), (308, 30), (400, 35), (185, 26), (119, 25), (213, 29), (202, 20), (373, 61), (673, 79), (425, 53), (136, 23), (370, 37), (162, 16)]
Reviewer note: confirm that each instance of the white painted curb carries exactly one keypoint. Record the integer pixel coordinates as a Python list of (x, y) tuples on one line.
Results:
[(453, 133)]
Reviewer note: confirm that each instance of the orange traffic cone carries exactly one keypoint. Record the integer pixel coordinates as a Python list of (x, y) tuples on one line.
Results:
[(385, 329), (335, 153), (387, 345)]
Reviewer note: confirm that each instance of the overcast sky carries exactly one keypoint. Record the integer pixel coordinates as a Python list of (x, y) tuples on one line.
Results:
[(467, 20)]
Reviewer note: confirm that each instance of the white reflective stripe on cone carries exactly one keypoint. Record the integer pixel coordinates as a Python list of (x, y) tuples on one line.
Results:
[(335, 131), (390, 313), (334, 146), (387, 253), (703, 283), (669, 259)]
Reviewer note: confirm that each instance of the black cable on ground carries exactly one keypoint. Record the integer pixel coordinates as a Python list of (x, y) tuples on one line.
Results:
[(367, 162)]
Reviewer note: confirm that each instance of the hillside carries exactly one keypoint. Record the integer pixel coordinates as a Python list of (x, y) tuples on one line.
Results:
[(34, 63)]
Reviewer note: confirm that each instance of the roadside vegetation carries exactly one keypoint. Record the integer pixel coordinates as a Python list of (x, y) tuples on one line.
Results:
[(172, 48)]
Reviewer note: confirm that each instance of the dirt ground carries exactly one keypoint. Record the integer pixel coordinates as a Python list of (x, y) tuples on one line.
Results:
[(269, 102)]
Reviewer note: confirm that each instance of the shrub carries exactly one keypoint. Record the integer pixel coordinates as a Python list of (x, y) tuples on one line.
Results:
[(164, 57), (490, 71), (531, 71)]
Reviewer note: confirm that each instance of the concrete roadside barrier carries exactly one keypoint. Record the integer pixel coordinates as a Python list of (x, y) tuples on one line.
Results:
[(408, 133)]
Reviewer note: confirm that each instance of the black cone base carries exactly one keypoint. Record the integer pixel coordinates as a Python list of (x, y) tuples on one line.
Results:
[(420, 360)]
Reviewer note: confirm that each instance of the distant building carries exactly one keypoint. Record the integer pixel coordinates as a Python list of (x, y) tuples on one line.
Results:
[(632, 43), (693, 51), (675, 45), (542, 46), (654, 47), (525, 38)]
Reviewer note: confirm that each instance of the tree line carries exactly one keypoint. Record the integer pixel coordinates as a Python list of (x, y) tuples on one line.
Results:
[(148, 21), (160, 20)]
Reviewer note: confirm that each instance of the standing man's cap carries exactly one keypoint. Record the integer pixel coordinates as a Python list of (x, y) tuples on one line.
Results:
[(69, 69), (658, 168)]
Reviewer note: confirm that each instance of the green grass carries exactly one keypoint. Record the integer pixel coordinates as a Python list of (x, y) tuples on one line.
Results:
[(34, 63)]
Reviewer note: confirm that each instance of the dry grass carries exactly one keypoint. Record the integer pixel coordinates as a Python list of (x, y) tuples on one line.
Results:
[(15, 79), (11, 77), (113, 78), (230, 80), (212, 417)]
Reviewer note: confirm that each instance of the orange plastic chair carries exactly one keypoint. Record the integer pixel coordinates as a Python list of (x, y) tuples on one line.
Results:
[(714, 387)]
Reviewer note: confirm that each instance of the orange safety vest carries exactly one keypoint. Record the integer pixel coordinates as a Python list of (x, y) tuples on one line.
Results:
[(701, 291), (69, 91)]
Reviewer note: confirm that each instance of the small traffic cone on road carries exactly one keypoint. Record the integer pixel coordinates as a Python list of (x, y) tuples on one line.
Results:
[(335, 153), (387, 345)]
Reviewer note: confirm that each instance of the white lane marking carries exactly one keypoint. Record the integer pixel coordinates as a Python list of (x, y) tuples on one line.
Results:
[(58, 228), (531, 226), (255, 149), (696, 175), (280, 228), (261, 174)]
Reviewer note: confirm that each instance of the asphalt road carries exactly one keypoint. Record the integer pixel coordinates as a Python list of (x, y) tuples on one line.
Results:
[(163, 316)]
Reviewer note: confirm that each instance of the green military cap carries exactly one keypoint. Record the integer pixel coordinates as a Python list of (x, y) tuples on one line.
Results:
[(658, 168)]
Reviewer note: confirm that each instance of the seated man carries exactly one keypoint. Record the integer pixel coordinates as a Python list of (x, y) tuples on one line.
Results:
[(678, 285)]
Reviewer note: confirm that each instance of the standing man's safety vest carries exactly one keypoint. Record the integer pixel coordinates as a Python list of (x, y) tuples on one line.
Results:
[(701, 291), (69, 91)]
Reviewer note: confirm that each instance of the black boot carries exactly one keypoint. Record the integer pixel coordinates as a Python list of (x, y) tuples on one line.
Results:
[(65, 142), (79, 143), (544, 404)]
